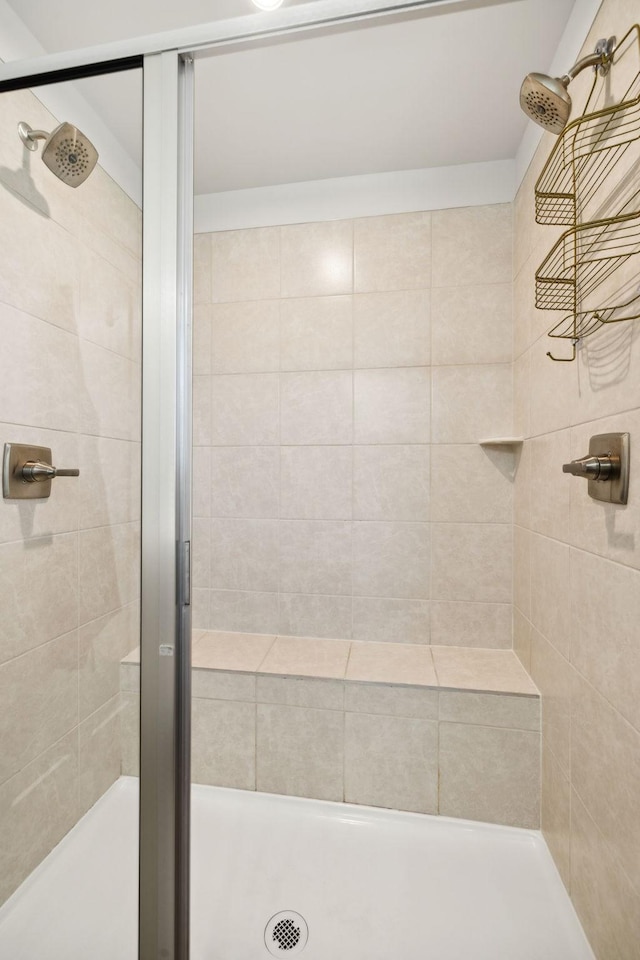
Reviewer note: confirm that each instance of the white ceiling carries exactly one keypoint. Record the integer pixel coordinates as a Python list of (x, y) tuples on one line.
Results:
[(430, 91)]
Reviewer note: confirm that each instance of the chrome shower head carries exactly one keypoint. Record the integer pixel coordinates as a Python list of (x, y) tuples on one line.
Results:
[(67, 151), (546, 99)]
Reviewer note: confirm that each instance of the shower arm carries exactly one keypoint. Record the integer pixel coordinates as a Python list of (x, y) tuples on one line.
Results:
[(601, 59), (30, 137)]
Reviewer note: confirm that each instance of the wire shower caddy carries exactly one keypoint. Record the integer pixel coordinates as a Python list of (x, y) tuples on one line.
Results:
[(572, 188)]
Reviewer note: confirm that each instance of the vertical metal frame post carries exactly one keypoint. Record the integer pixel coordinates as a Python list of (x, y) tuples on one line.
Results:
[(166, 508)]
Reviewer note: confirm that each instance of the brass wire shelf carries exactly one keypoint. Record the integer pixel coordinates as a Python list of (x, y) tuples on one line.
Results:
[(574, 274)]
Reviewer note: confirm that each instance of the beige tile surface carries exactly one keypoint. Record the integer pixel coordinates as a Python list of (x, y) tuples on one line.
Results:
[(223, 743), (316, 482), (245, 264), (552, 674), (392, 406), (491, 710), (605, 772), (245, 337), (392, 329), (468, 624), (471, 324), (391, 762), (484, 670), (316, 333), (390, 620), (317, 259), (392, 701), (472, 245), (245, 409), (315, 615), (550, 591), (98, 753), (391, 560), (315, 557), (101, 646), (490, 774), (130, 734), (391, 663), (471, 561), (555, 813), (316, 407), (245, 482), (307, 656), (471, 402), (244, 611), (216, 650), (301, 692), (392, 252), (300, 751), (109, 569), (244, 554), (208, 684), (470, 483), (606, 902), (391, 482)]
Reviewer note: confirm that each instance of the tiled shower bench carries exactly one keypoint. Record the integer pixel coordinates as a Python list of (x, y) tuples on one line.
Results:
[(448, 730)]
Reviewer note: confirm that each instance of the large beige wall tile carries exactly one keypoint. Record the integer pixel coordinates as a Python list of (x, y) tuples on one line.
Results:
[(605, 772), (245, 482), (605, 623), (315, 616), (201, 488), (391, 560), (315, 557), (316, 482), (387, 700), (244, 554), (108, 489), (391, 762), (224, 743), (38, 592), (316, 407), (217, 650), (300, 751), (472, 245), (39, 694), (392, 406), (392, 252), (553, 388), (243, 610), (552, 675), (201, 406), (316, 333), (469, 624), (245, 265), (555, 813), (522, 570), (109, 566), (472, 324), (202, 268), (471, 484), (471, 403), (200, 552), (550, 596), (462, 668), (550, 500), (245, 409), (391, 482), (317, 259), (471, 561), (522, 639), (245, 337), (489, 773), (130, 734), (391, 620), (99, 757), (392, 329), (320, 694), (201, 334), (38, 807), (109, 398), (40, 385), (101, 646), (109, 308), (605, 900)]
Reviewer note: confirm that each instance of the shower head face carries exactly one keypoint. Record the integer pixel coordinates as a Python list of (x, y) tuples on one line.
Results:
[(69, 154), (545, 100)]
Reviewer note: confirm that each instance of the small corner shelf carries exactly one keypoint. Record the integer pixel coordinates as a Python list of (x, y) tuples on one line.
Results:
[(573, 191), (501, 441)]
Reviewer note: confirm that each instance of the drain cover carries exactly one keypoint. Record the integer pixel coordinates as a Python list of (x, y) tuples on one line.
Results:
[(286, 934)]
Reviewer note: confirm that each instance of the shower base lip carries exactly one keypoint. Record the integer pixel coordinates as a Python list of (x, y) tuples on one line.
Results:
[(375, 883)]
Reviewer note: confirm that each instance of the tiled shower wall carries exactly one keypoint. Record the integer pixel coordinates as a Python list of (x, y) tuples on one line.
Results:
[(345, 372), (577, 572), (69, 380)]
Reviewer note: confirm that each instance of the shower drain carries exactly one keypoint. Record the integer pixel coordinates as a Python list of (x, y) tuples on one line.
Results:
[(286, 934)]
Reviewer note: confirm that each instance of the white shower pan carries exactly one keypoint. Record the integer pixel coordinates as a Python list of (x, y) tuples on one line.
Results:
[(368, 884)]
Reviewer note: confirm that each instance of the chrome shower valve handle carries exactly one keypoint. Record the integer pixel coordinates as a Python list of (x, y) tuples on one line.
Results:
[(35, 471), (27, 472), (594, 468)]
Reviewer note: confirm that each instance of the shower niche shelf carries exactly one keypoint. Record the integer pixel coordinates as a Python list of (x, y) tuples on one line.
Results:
[(573, 191)]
